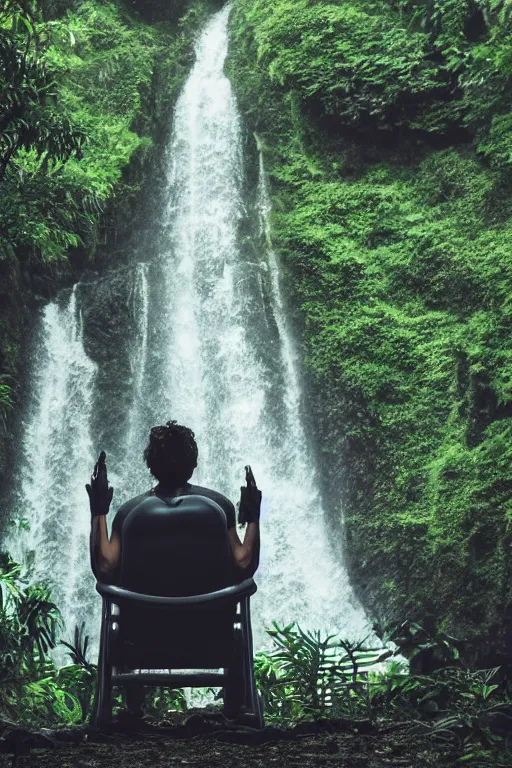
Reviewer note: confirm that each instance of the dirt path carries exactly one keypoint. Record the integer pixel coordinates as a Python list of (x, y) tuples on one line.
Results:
[(222, 747)]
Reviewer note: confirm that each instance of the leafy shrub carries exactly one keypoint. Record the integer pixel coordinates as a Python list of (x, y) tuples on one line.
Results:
[(29, 623), (356, 63), (425, 649), (28, 118), (96, 66), (93, 94), (162, 702), (307, 676)]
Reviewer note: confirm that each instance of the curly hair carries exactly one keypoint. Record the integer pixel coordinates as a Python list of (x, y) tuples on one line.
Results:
[(171, 454)]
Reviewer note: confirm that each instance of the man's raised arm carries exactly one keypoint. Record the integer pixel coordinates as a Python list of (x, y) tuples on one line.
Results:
[(104, 552), (247, 555)]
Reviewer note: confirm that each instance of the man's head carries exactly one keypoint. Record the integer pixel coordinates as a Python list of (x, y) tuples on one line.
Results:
[(171, 454)]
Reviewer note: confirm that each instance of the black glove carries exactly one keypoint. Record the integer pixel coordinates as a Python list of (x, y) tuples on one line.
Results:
[(100, 495), (250, 500)]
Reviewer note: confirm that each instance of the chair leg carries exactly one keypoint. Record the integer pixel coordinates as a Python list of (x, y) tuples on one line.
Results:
[(235, 687), (252, 700), (102, 711), (134, 697)]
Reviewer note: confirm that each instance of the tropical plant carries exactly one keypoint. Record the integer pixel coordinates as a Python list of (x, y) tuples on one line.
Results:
[(79, 678), (161, 702), (392, 688), (476, 714), (29, 625), (29, 619), (310, 676), (425, 649), (28, 117)]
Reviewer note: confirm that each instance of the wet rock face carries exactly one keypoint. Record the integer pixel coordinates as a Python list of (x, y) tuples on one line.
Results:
[(109, 326), (107, 313)]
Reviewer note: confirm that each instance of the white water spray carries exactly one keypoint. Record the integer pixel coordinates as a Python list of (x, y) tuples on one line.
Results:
[(57, 451)]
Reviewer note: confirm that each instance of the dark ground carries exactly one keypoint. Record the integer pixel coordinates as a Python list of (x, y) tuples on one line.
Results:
[(207, 741)]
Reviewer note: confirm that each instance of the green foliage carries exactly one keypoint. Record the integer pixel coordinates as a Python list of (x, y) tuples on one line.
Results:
[(30, 621), (396, 252), (425, 649), (307, 676), (29, 625), (404, 293), (440, 67), (465, 712), (162, 702), (28, 118), (452, 694), (86, 91), (156, 10), (469, 715), (79, 678), (33, 689), (357, 64), (95, 67)]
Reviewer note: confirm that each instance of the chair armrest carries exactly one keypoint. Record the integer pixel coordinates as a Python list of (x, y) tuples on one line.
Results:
[(231, 594)]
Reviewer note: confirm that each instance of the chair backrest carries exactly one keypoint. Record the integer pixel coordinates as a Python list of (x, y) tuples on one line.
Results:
[(176, 547)]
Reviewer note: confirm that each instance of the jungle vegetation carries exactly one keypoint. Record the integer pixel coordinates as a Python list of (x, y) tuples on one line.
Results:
[(387, 135)]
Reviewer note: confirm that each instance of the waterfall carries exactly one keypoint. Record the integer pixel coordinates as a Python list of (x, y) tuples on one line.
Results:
[(244, 405), (57, 453), (210, 347)]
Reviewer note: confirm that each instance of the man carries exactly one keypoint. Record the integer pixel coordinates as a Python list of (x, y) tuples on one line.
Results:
[(171, 456)]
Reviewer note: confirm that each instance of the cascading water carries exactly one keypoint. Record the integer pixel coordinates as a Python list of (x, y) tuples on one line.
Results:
[(57, 448), (214, 378), (137, 428), (325, 599), (210, 347)]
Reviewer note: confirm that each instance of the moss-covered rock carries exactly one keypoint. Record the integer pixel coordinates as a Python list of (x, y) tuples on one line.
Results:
[(395, 237)]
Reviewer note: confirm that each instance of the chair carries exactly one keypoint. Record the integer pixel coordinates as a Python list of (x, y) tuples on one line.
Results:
[(176, 609)]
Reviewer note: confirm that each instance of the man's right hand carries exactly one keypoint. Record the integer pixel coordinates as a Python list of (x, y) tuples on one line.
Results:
[(250, 500), (100, 495)]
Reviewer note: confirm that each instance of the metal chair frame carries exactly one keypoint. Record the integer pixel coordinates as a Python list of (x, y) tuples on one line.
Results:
[(109, 676)]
